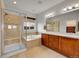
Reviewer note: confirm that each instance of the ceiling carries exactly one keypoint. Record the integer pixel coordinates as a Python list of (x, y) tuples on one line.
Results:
[(33, 6)]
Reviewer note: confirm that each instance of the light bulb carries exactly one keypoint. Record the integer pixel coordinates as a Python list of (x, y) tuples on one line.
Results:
[(76, 5), (69, 7), (65, 9)]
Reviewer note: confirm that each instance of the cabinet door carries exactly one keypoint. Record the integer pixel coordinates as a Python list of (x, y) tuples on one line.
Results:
[(68, 46), (45, 39), (53, 42), (77, 49), (60, 44)]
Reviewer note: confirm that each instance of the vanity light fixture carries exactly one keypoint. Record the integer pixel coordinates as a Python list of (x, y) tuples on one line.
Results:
[(76, 5), (70, 7), (65, 9)]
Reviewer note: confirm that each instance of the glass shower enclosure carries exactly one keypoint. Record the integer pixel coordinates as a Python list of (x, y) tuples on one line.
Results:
[(16, 30), (11, 23)]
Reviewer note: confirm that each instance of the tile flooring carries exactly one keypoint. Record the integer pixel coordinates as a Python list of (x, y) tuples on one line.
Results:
[(39, 52)]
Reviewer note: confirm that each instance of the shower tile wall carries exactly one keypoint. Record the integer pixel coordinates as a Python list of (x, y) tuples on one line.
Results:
[(11, 35)]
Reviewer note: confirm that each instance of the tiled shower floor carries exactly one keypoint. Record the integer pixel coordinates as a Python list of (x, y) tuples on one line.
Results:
[(13, 47)]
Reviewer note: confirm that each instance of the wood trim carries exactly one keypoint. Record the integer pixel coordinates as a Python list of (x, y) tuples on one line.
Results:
[(31, 18)]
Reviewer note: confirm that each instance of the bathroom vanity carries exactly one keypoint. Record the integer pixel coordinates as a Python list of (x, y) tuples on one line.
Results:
[(68, 46), (32, 41), (62, 34)]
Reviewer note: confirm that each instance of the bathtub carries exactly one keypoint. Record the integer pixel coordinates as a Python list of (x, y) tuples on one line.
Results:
[(32, 37), (32, 41)]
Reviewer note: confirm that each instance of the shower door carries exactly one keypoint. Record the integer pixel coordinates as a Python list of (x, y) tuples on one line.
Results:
[(12, 33)]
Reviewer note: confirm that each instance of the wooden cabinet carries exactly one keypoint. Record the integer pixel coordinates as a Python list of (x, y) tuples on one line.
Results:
[(53, 42), (67, 46), (77, 49), (60, 44), (45, 39)]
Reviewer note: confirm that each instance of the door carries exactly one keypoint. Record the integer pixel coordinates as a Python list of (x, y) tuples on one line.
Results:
[(68, 46), (53, 42), (45, 39), (77, 48)]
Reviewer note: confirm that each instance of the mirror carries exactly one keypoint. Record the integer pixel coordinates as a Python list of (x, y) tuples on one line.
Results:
[(64, 23), (52, 25)]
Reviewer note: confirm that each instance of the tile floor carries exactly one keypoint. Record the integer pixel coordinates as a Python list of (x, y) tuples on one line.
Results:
[(39, 52)]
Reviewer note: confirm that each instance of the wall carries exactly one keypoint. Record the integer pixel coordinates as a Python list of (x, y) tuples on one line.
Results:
[(40, 23), (62, 18)]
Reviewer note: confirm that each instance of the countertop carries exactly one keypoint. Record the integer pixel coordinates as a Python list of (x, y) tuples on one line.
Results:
[(71, 35)]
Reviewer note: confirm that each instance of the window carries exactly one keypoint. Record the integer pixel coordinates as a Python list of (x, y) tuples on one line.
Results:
[(27, 27), (31, 27)]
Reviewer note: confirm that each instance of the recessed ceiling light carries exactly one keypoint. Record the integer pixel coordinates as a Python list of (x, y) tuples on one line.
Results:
[(40, 2), (76, 5), (70, 7), (14, 2)]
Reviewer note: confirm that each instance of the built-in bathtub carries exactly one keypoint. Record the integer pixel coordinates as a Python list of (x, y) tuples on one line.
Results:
[(31, 41), (32, 37)]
